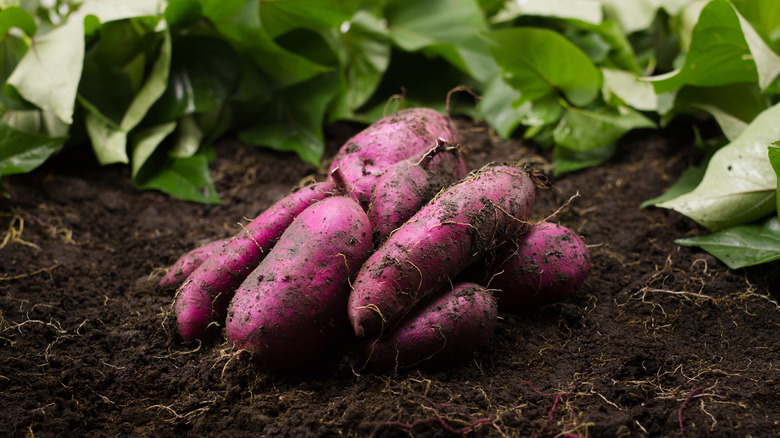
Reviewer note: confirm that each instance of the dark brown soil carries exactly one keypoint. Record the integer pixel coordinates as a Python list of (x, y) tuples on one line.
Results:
[(661, 340)]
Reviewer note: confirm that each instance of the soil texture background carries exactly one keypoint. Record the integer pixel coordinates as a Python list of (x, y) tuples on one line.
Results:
[(660, 341)]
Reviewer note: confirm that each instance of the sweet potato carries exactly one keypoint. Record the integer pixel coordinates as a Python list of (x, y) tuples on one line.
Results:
[(293, 306), (546, 264), (203, 298), (439, 332), (409, 184), (457, 227), (190, 261), (367, 155)]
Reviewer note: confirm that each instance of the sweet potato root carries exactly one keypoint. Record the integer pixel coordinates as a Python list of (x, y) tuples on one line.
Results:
[(293, 306), (546, 264), (367, 155), (439, 332), (204, 297), (449, 233), (190, 261), (409, 184)]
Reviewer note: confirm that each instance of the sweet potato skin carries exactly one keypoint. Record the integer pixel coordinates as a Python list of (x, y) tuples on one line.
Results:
[(457, 227), (546, 264), (190, 261), (293, 306), (367, 155), (439, 332), (204, 297), (409, 184)]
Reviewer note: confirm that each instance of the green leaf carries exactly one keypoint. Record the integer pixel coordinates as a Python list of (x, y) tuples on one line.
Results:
[(238, 21), (293, 120), (21, 152), (499, 107), (730, 125), (743, 101), (628, 89), (724, 49), (447, 28), (280, 16), (182, 13), (764, 16), (638, 15), (364, 55), (739, 185), (186, 178), (189, 139), (109, 140), (588, 11), (774, 160), (194, 86), (570, 160), (743, 245), (145, 143), (496, 107), (583, 130), (14, 16), (111, 10), (48, 74), (585, 138), (688, 181), (12, 49), (539, 61)]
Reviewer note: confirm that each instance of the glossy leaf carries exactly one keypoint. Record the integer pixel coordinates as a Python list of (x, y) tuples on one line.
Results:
[(743, 101), (109, 140), (186, 178), (688, 181), (589, 11), (637, 15), (238, 21), (194, 86), (280, 16), (628, 89), (14, 16), (363, 48), (182, 13), (503, 107), (48, 74), (583, 130), (743, 245), (764, 16), (447, 28), (21, 152), (739, 185), (724, 49), (540, 61), (293, 120), (496, 107), (12, 50)]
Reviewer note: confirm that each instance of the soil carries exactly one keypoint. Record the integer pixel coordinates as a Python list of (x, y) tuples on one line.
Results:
[(660, 341)]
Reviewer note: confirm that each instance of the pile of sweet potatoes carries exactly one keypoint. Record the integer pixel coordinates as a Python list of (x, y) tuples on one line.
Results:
[(400, 247)]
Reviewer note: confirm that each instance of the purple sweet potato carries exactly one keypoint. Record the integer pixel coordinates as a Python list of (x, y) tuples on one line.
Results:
[(456, 228), (294, 305), (438, 332), (409, 184), (203, 298), (546, 264), (190, 261), (367, 155)]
